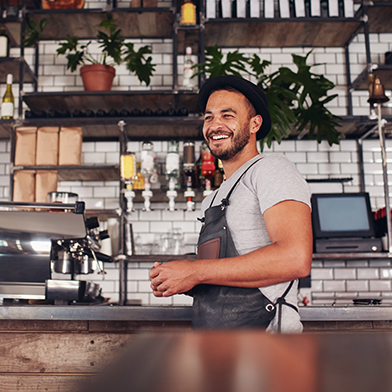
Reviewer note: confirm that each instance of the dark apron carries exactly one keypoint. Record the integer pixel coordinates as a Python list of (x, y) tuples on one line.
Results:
[(216, 306)]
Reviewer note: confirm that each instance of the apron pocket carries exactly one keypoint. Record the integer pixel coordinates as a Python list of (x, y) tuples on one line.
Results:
[(209, 249)]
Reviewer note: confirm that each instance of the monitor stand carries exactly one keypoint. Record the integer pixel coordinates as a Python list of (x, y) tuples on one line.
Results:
[(347, 245)]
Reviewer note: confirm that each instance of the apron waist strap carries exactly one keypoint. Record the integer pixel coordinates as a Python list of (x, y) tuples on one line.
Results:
[(282, 301)]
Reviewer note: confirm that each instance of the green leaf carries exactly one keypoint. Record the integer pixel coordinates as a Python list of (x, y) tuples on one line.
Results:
[(217, 64), (33, 32), (138, 63)]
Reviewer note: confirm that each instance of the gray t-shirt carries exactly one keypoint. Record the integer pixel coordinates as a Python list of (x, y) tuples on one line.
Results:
[(271, 180)]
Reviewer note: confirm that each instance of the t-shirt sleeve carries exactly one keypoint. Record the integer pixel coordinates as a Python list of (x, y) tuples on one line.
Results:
[(277, 179)]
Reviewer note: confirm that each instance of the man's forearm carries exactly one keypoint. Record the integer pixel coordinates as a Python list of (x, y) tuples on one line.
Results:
[(263, 267)]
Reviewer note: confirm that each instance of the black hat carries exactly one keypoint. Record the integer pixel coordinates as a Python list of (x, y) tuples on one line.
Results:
[(254, 94)]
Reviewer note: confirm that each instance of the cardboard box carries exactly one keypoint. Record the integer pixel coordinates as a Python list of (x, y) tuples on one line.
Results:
[(70, 146), (25, 146), (24, 186), (47, 146), (45, 182)]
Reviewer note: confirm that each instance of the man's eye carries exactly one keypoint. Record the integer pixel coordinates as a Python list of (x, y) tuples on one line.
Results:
[(207, 118)]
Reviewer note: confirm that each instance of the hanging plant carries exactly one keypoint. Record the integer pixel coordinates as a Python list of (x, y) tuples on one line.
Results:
[(296, 100)]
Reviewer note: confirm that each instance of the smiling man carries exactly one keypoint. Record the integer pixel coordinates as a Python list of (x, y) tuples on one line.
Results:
[(256, 237)]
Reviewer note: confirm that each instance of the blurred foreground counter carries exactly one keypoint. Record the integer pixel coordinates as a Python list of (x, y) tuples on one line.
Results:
[(58, 348), (250, 361)]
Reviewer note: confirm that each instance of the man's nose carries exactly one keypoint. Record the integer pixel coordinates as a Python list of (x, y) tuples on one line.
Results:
[(214, 124)]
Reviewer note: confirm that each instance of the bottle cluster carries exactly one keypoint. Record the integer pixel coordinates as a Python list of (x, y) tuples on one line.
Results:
[(64, 113), (182, 170)]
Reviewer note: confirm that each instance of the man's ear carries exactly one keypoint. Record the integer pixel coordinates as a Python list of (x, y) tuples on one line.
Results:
[(255, 123)]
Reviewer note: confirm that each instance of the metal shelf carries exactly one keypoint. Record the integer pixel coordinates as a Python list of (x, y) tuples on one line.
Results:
[(163, 128), (11, 65), (380, 16), (106, 100), (278, 32), (12, 27), (82, 23), (383, 71), (79, 173), (137, 128), (6, 127)]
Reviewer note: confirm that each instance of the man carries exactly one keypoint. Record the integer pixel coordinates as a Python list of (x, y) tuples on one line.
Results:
[(257, 236)]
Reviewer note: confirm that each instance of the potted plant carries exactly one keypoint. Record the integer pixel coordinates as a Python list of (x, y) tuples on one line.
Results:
[(296, 99), (98, 72)]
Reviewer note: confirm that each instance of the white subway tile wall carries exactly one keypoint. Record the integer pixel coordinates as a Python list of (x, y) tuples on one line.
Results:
[(332, 281), (53, 75)]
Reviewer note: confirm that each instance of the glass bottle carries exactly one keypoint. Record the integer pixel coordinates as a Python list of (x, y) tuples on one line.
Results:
[(207, 167), (128, 167), (218, 175), (188, 14), (173, 163), (7, 105), (139, 181), (189, 165), (4, 44), (12, 8), (187, 82), (147, 160), (200, 180)]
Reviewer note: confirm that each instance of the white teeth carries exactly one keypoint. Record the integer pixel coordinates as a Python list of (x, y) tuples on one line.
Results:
[(220, 137)]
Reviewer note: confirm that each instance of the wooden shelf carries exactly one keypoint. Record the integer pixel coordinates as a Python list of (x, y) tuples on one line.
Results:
[(137, 128), (6, 129), (11, 65), (80, 173), (383, 71), (163, 128), (380, 17), (12, 27), (107, 100), (290, 32), (82, 23)]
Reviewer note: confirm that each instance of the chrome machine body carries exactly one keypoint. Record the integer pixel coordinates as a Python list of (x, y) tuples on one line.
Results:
[(39, 242)]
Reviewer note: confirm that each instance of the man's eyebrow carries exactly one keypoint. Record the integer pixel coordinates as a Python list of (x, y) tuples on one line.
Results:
[(228, 110)]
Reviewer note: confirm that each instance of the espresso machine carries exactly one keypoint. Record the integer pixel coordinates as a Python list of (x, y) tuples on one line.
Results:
[(46, 249)]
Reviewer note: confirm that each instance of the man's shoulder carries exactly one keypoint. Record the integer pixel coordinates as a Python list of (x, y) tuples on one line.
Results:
[(271, 163), (274, 157)]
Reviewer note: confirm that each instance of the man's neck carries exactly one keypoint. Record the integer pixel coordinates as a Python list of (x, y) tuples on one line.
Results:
[(232, 165)]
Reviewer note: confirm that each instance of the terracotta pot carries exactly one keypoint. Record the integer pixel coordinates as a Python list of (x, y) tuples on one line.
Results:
[(61, 4), (97, 77)]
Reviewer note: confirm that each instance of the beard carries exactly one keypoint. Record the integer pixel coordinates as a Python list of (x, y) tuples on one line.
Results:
[(238, 142)]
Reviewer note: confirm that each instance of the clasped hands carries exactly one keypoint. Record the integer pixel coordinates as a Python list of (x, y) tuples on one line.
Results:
[(174, 277)]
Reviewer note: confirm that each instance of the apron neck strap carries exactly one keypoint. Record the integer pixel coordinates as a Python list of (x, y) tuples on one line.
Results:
[(225, 200)]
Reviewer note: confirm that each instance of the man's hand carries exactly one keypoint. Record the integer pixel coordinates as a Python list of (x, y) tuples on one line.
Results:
[(174, 277)]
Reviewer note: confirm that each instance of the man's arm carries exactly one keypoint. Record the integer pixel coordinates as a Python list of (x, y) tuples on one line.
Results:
[(288, 257)]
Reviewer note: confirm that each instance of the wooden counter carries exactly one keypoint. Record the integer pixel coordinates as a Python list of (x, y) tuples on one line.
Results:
[(55, 348), (251, 361)]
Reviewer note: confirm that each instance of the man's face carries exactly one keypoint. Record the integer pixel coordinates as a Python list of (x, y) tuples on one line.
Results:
[(226, 124)]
